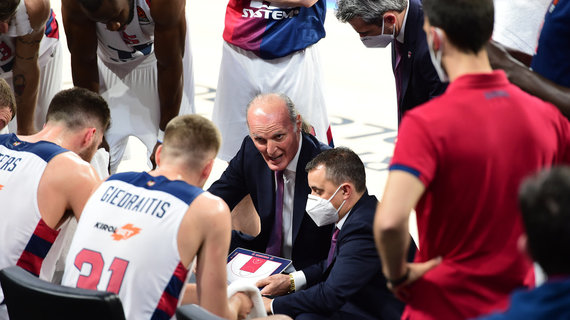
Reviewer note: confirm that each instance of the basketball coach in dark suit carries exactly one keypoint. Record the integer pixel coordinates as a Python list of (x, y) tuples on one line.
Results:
[(400, 22), (270, 167), (349, 284)]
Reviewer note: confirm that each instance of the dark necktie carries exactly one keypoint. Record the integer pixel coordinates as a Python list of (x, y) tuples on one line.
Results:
[(333, 246), (276, 237)]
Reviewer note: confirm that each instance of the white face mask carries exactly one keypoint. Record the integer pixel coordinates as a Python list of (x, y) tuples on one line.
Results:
[(436, 58), (380, 41), (321, 210)]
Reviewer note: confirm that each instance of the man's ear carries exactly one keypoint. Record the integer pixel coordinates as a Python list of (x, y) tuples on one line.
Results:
[(157, 155), (438, 37), (389, 18), (299, 123), (88, 137), (347, 190), (207, 170)]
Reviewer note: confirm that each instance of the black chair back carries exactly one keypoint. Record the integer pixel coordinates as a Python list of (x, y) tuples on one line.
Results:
[(30, 298)]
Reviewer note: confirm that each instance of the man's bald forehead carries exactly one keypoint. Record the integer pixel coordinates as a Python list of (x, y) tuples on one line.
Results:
[(271, 104)]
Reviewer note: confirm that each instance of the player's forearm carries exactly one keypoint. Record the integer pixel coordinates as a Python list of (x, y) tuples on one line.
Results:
[(541, 87), (190, 295), (85, 73), (392, 242), (26, 77), (170, 83), (528, 80)]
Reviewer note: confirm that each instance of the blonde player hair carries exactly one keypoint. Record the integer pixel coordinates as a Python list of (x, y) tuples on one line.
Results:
[(191, 138)]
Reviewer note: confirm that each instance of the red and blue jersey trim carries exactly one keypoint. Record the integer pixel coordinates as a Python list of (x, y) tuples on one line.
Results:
[(169, 299), (52, 28), (37, 248), (405, 168)]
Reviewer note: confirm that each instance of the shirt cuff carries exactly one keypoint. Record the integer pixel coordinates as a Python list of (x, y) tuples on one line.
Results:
[(300, 280), (272, 306)]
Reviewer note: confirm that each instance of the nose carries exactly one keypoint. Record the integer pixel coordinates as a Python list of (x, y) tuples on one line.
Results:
[(271, 147)]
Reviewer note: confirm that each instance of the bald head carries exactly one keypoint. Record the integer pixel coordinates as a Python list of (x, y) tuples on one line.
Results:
[(274, 126), (268, 103)]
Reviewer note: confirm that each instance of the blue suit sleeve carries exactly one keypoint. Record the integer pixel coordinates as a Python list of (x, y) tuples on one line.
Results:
[(356, 263)]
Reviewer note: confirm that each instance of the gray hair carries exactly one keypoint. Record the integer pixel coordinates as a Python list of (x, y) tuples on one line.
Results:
[(371, 11)]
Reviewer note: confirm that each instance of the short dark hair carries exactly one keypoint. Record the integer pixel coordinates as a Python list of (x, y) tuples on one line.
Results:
[(370, 11), (342, 165), (7, 8), (79, 108), (468, 24), (7, 98), (544, 200)]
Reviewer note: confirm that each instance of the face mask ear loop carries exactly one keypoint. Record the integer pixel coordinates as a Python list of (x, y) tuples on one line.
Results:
[(334, 194), (342, 204)]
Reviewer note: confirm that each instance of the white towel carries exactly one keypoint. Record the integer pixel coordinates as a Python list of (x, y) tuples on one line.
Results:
[(252, 291)]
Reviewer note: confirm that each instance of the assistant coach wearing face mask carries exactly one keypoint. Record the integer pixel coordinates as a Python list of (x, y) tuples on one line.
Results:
[(381, 22), (348, 284)]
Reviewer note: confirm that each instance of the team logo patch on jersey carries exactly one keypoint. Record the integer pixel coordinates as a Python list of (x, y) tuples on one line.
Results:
[(125, 232), (143, 19), (150, 183), (16, 143)]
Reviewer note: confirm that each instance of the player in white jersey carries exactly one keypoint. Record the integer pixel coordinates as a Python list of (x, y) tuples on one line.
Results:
[(42, 183), (30, 59), (140, 232), (136, 53)]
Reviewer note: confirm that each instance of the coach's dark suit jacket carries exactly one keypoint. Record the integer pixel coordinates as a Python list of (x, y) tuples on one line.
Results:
[(248, 173), (419, 80), (353, 286)]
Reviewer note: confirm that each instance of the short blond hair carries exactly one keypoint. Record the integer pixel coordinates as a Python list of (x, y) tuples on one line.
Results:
[(7, 98), (192, 138)]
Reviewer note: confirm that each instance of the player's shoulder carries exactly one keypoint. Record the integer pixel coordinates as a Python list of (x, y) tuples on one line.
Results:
[(209, 206), (38, 13), (69, 167)]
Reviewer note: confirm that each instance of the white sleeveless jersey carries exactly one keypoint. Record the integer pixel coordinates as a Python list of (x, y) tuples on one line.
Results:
[(126, 242), (25, 239), (20, 26), (132, 43)]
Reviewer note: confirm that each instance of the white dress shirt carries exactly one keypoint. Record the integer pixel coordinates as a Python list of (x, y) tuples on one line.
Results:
[(288, 199)]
